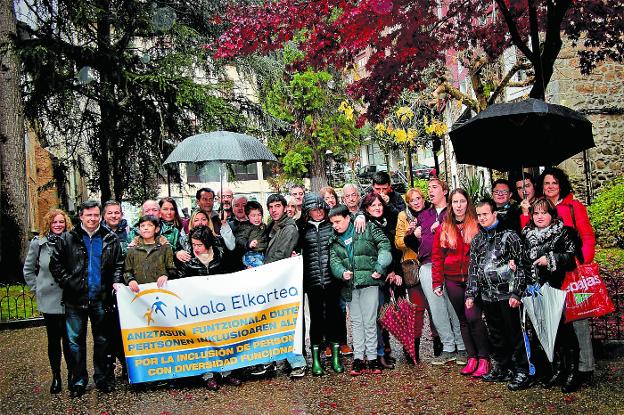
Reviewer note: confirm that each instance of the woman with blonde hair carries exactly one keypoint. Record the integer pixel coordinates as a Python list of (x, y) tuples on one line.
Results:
[(450, 258), (329, 195), (49, 294)]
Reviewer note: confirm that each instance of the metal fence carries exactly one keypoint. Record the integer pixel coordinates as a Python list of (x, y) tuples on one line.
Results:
[(18, 308)]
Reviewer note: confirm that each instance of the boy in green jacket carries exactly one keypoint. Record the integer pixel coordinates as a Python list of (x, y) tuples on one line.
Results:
[(148, 261), (361, 260)]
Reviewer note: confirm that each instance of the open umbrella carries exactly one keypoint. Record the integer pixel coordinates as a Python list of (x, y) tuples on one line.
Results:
[(544, 306), (527, 133), (220, 147)]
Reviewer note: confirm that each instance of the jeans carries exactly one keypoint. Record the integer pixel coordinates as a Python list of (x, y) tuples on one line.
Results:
[(442, 313), (586, 353), (76, 320), (471, 322), (363, 309)]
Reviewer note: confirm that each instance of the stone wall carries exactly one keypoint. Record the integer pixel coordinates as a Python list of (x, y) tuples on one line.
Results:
[(600, 96)]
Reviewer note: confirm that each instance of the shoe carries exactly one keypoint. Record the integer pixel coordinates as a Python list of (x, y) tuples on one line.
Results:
[(298, 372), (260, 370), (386, 362), (498, 374), (586, 378), (212, 385), (573, 382), (558, 373), (105, 387), (462, 358), (56, 385), (336, 363), (437, 346), (232, 380), (345, 350), (483, 368), (470, 367), (357, 367), (317, 366), (77, 391), (390, 359), (328, 352), (375, 366), (521, 381), (443, 358), (417, 348)]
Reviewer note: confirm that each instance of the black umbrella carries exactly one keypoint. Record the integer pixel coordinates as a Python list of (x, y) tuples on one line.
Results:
[(526, 133), (220, 147)]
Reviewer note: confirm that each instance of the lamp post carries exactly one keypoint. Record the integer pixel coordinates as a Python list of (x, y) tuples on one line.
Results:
[(329, 157)]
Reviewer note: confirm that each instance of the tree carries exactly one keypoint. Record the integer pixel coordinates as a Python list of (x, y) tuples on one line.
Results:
[(118, 81), (14, 225), (320, 120), (404, 37)]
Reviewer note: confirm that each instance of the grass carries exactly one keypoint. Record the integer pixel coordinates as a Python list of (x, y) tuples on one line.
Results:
[(17, 302), (611, 258)]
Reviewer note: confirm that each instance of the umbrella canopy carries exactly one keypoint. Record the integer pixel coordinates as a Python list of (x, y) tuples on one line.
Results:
[(220, 147), (544, 306), (527, 133), (398, 317)]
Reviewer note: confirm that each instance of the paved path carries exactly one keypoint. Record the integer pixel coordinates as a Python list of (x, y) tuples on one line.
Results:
[(24, 383)]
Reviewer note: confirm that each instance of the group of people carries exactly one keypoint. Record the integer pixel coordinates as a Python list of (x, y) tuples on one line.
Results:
[(468, 266)]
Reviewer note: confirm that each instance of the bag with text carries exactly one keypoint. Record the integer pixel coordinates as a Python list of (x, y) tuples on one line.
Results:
[(586, 294)]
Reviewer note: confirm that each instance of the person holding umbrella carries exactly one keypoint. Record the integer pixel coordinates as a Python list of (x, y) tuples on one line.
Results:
[(526, 192), (450, 258), (551, 250), (556, 186)]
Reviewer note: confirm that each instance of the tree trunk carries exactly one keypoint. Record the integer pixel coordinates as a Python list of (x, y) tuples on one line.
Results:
[(107, 121), (14, 226), (318, 175)]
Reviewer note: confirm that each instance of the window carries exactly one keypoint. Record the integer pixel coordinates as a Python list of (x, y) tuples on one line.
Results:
[(197, 173), (244, 172)]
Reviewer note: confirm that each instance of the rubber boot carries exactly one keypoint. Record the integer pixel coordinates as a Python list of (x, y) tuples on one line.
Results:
[(336, 363), (558, 372), (573, 381), (56, 385), (317, 366)]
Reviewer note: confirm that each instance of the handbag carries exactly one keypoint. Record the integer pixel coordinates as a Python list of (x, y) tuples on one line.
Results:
[(586, 293), (411, 272)]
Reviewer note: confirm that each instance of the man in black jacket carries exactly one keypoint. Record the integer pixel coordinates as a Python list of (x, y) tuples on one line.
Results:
[(86, 262)]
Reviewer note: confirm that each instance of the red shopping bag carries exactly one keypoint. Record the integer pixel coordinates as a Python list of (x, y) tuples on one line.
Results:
[(587, 294)]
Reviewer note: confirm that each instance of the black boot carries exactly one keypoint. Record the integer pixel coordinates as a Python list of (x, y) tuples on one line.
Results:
[(56, 385), (417, 348), (558, 375), (522, 380), (574, 381)]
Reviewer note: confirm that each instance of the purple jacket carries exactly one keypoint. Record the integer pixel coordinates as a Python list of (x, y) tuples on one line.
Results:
[(424, 245)]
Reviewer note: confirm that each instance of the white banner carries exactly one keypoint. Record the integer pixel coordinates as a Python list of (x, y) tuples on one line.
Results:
[(213, 323)]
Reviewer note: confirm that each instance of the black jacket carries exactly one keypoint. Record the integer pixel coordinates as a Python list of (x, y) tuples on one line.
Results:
[(315, 249), (69, 266), (195, 267), (559, 244)]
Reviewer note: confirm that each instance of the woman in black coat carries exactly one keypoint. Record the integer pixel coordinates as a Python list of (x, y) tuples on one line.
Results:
[(551, 249)]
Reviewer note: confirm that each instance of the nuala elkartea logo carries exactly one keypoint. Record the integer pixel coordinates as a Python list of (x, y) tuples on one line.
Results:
[(158, 305)]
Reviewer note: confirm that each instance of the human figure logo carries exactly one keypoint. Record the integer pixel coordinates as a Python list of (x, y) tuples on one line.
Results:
[(158, 306)]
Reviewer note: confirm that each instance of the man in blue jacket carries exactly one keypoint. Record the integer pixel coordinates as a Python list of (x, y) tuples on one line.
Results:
[(86, 262)]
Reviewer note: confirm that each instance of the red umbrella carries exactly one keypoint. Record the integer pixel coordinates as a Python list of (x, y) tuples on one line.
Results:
[(398, 317)]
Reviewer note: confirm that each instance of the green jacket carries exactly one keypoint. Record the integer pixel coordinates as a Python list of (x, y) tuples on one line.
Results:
[(371, 252), (146, 264)]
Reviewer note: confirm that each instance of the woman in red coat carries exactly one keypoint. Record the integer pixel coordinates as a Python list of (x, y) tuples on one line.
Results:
[(450, 259), (555, 185)]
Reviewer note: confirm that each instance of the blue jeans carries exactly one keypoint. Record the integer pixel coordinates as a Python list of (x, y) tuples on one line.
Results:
[(76, 320)]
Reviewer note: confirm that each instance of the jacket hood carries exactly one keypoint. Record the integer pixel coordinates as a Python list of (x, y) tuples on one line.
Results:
[(313, 201)]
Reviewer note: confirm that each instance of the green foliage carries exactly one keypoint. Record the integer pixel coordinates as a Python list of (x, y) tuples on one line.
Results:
[(18, 302), (423, 185), (610, 258), (475, 187), (606, 214)]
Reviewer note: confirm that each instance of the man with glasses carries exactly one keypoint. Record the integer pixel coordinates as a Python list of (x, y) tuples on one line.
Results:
[(506, 210)]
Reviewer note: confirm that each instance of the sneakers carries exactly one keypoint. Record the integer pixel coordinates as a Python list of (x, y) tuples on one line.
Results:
[(498, 374), (462, 357), (298, 372), (374, 366), (444, 358), (483, 368), (345, 350), (357, 367), (260, 370)]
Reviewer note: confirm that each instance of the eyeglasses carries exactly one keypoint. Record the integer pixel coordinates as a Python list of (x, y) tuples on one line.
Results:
[(501, 192)]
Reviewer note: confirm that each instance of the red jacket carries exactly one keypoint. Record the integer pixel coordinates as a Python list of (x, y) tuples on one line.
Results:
[(579, 220), (451, 264)]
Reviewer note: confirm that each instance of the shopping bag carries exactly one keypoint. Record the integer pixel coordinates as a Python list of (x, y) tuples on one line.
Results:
[(586, 293)]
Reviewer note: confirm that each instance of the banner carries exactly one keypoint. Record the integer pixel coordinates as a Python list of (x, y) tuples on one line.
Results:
[(213, 323)]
